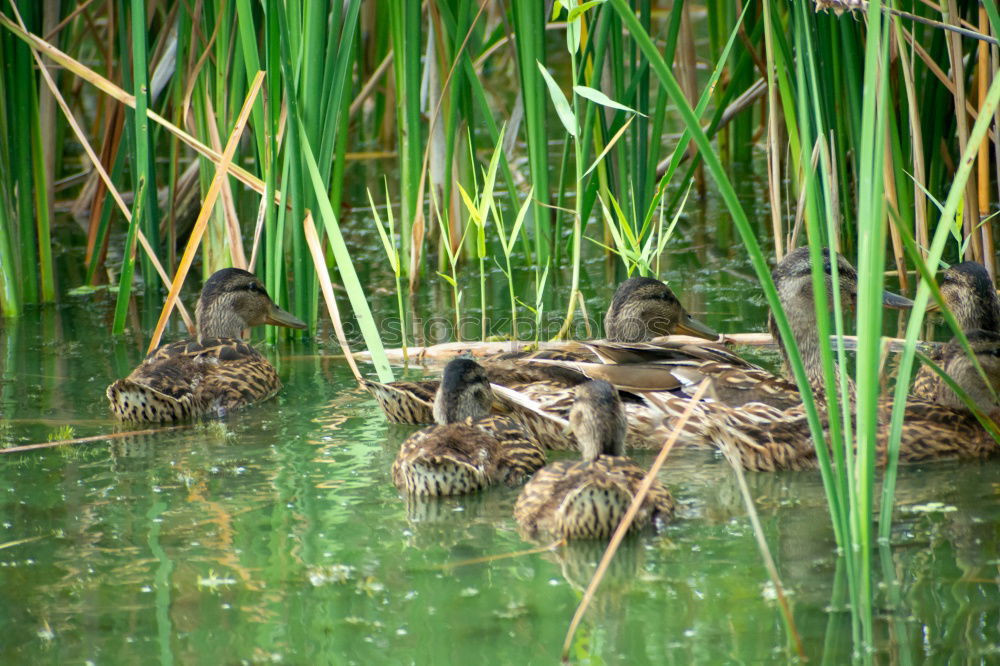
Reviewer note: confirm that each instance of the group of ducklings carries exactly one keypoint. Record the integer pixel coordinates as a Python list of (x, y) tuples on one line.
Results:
[(495, 418)]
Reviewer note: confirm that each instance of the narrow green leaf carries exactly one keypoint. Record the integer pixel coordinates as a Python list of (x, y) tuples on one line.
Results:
[(575, 13), (563, 109), (519, 221), (598, 97), (390, 250)]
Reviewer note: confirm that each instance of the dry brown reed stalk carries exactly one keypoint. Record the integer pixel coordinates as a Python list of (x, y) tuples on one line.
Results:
[(98, 166), (940, 75), (206, 211), (919, 175), (326, 286), (369, 87), (18, 542), (773, 147), (983, 164), (447, 566), (115, 92), (970, 212), (69, 17), (892, 204), (445, 351), (629, 516), (94, 438)]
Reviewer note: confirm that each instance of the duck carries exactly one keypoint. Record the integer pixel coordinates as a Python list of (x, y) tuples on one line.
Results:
[(587, 498), (468, 449), (641, 309), (217, 371), (736, 386), (762, 397), (968, 292), (937, 427)]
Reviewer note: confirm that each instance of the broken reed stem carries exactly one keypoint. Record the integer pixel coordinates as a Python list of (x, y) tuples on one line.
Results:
[(94, 438), (629, 516), (502, 556)]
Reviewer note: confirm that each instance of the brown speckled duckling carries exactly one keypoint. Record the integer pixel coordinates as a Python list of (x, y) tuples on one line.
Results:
[(586, 499), (215, 373), (468, 449)]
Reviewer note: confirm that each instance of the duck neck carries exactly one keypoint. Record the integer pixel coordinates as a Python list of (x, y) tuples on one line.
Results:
[(802, 321), (217, 322)]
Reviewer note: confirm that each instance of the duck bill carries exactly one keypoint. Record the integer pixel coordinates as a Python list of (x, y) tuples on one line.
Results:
[(895, 301), (691, 326), (278, 317)]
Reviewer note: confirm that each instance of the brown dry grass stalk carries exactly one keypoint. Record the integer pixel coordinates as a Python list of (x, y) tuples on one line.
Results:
[(94, 438)]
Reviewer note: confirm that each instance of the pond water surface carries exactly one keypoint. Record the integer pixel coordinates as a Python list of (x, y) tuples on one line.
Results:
[(276, 536)]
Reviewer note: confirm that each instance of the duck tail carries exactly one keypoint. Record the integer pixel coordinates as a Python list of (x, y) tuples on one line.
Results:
[(135, 402)]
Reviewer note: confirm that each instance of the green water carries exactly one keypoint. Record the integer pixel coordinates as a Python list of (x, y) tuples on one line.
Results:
[(276, 536)]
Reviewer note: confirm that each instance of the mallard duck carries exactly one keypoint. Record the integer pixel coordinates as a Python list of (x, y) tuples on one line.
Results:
[(640, 309), (793, 281), (733, 382), (217, 371), (468, 449), (941, 428), (587, 499), (968, 291)]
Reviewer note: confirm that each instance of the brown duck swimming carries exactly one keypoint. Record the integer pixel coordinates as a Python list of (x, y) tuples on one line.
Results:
[(468, 449), (793, 281), (641, 309), (586, 499), (939, 428), (214, 373), (733, 383), (968, 292)]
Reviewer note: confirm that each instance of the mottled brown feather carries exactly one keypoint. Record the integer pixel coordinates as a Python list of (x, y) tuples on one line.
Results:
[(459, 458), (587, 499)]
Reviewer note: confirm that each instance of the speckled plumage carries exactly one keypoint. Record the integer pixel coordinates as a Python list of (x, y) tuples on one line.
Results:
[(641, 308), (214, 374), (587, 499), (942, 428), (736, 386), (968, 291), (460, 458), (930, 432), (467, 450)]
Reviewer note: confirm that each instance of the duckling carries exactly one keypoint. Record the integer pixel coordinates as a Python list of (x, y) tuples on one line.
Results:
[(587, 499), (640, 309), (968, 291), (468, 449), (215, 373)]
